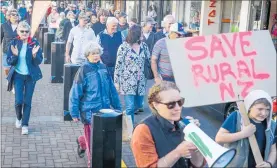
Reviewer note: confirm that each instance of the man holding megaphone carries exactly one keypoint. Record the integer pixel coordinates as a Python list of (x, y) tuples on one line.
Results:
[(159, 140)]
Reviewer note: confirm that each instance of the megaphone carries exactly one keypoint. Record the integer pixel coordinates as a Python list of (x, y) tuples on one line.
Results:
[(215, 154)]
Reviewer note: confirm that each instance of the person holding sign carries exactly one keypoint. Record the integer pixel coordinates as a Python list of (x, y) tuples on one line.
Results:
[(160, 61), (258, 104), (158, 141)]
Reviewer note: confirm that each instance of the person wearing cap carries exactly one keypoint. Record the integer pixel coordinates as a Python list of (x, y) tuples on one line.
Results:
[(160, 61), (166, 23), (233, 134), (122, 24), (148, 35), (79, 36), (110, 39), (101, 24)]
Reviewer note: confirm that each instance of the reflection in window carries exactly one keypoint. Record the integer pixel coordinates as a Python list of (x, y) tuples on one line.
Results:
[(195, 13)]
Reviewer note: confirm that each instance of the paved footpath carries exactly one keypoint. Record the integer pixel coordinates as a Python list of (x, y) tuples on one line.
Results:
[(51, 141)]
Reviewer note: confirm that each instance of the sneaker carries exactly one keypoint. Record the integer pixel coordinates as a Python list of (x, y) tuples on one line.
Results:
[(80, 151), (24, 130), (18, 123), (13, 91)]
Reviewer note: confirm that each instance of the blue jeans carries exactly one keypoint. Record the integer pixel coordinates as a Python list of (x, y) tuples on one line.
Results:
[(132, 104), (24, 88), (4, 61), (111, 71)]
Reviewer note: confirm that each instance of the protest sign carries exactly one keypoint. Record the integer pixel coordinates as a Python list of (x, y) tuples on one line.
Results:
[(223, 67), (39, 11)]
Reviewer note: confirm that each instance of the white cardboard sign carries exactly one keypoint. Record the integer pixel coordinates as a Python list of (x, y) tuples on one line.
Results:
[(223, 67)]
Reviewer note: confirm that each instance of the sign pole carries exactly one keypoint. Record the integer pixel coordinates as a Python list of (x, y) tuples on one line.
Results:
[(252, 139)]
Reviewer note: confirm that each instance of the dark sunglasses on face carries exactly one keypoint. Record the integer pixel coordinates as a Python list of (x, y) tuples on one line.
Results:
[(26, 31), (171, 105), (12, 14)]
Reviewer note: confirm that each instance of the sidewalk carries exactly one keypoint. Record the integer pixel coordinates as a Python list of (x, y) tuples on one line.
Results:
[(51, 141)]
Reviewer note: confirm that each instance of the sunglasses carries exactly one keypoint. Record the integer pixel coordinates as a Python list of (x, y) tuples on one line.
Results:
[(171, 105), (14, 14), (22, 31)]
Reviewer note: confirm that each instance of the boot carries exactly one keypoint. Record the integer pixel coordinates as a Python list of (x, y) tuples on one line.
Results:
[(18, 110)]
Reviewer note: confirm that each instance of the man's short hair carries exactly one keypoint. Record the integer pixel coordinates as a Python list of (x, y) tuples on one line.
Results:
[(111, 20), (82, 15)]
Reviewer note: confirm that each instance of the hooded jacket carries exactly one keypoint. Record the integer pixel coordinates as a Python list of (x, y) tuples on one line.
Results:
[(242, 146), (92, 90)]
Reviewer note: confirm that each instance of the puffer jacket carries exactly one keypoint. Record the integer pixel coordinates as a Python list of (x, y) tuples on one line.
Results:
[(92, 90)]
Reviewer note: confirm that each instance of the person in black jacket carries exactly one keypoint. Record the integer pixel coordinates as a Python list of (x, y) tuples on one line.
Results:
[(8, 32), (148, 35), (167, 22), (101, 24), (68, 25)]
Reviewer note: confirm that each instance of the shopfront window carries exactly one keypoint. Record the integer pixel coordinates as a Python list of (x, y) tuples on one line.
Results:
[(132, 9), (195, 13), (230, 16), (259, 13)]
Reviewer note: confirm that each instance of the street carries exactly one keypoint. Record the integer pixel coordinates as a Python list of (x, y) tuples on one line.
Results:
[(51, 141)]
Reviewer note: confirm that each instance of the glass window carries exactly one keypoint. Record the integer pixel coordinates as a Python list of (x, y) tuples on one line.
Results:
[(195, 13), (132, 9), (230, 16), (155, 5), (144, 9)]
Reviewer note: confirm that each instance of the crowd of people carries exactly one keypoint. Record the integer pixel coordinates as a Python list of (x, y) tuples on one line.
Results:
[(113, 53)]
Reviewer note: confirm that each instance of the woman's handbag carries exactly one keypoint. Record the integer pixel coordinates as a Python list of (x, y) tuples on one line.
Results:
[(10, 78), (127, 129), (147, 67)]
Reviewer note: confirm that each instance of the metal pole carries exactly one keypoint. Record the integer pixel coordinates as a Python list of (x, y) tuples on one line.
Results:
[(139, 16)]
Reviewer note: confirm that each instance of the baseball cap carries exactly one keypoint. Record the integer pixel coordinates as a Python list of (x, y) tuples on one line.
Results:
[(149, 20), (178, 28), (122, 14)]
